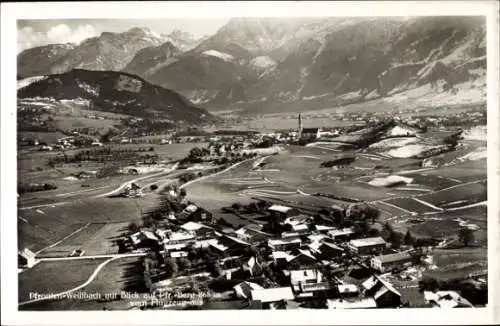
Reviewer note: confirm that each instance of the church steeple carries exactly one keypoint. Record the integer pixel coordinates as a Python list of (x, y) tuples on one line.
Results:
[(299, 131)]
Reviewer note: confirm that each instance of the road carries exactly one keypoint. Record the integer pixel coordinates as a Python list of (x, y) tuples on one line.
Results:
[(66, 237), (89, 280), (138, 254), (169, 172)]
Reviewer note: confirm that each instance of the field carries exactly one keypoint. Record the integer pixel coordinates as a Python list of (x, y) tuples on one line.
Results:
[(457, 263), (411, 205), (99, 125), (469, 193), (46, 225), (117, 276), (94, 239), (55, 276)]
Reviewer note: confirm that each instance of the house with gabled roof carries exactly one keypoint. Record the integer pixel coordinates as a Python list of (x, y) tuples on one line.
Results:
[(304, 259), (326, 250), (344, 234), (272, 295), (199, 229), (383, 292), (252, 235), (253, 266), (388, 262), (284, 244), (367, 246)]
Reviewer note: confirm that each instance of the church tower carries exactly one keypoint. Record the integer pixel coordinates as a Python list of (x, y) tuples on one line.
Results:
[(299, 131)]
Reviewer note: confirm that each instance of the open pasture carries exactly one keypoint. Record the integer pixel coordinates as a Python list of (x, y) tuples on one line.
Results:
[(432, 181), (46, 225), (119, 275), (334, 146), (100, 125), (95, 239), (446, 224), (458, 263), (464, 171), (55, 276), (464, 194), (46, 137), (411, 205), (35, 237), (347, 189)]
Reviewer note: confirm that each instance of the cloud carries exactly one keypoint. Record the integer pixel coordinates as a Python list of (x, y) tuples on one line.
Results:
[(62, 33)]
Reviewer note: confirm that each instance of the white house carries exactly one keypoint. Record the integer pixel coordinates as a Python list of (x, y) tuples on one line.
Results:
[(26, 258), (272, 294)]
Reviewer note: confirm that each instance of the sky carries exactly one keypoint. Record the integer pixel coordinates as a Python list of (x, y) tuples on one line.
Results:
[(31, 33)]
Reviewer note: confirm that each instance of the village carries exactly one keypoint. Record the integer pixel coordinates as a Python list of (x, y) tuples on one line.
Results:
[(286, 255), (315, 264)]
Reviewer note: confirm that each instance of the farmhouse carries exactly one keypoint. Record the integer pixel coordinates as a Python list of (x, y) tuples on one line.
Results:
[(253, 266), (181, 237), (324, 228), (310, 133), (326, 250), (280, 213), (284, 244), (250, 234), (200, 230), (267, 296), (300, 279), (233, 245), (388, 262), (219, 248), (303, 260), (132, 190), (280, 258), (384, 294), (367, 245), (341, 234), (26, 258), (144, 239)]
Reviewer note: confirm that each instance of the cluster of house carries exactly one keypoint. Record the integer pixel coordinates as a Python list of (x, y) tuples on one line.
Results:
[(299, 256), (70, 142)]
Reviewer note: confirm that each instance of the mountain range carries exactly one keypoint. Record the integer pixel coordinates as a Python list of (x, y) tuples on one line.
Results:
[(116, 92), (274, 64)]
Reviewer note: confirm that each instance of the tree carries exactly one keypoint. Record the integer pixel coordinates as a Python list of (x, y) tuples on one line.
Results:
[(236, 206), (429, 284), (195, 152), (371, 214), (133, 227), (183, 192), (409, 239), (466, 236), (153, 187), (171, 267)]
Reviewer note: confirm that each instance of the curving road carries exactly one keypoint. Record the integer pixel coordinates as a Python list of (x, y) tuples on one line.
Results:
[(89, 280)]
